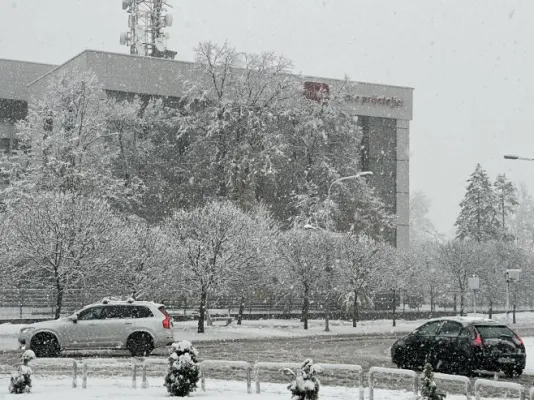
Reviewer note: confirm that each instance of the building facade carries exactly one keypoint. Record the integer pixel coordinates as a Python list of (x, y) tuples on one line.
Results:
[(384, 112)]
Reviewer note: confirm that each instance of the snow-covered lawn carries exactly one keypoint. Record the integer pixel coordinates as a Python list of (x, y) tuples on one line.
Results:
[(117, 389)]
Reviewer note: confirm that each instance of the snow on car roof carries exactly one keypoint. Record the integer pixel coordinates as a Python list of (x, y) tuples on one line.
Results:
[(468, 320)]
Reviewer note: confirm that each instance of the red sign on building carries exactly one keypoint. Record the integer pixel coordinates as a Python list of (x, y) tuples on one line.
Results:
[(316, 91)]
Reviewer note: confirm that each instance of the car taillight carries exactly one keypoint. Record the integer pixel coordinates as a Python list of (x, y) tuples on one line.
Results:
[(518, 340), (477, 341), (167, 322)]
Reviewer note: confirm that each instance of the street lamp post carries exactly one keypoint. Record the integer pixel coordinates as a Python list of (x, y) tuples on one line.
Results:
[(514, 157)]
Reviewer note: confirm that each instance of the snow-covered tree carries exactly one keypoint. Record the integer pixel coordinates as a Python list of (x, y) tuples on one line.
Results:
[(259, 272), (236, 117), (429, 391), (305, 384), (21, 379), (306, 255), (461, 259), (66, 144), (183, 373), (212, 244), (478, 219), (60, 240), (506, 195), (244, 131), (143, 257), (522, 220), (362, 261), (421, 227)]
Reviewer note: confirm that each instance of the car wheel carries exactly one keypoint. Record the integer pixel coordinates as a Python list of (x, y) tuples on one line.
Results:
[(45, 345), (511, 372), (140, 344)]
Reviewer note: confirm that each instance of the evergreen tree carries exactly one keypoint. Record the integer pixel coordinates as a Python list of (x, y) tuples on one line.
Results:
[(506, 202), (21, 380), (184, 373), (522, 219), (429, 389), (478, 215), (305, 385)]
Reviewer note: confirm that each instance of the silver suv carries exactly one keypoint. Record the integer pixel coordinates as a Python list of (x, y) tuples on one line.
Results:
[(138, 326)]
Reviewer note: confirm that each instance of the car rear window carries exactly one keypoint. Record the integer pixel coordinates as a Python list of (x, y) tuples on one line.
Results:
[(494, 332), (163, 311)]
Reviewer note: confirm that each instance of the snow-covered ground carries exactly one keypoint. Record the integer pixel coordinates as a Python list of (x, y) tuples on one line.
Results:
[(118, 389)]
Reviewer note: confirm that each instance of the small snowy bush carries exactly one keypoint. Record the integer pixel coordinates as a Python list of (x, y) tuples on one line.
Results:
[(305, 385), (429, 389), (21, 379), (183, 373)]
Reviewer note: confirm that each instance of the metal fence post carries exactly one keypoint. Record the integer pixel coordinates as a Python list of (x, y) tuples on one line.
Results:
[(84, 376), (249, 379), (134, 375), (144, 383), (74, 374)]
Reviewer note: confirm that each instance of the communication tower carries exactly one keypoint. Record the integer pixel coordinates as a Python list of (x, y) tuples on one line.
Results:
[(146, 22)]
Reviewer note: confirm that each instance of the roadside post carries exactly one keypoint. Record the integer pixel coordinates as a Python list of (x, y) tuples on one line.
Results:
[(511, 275), (473, 283)]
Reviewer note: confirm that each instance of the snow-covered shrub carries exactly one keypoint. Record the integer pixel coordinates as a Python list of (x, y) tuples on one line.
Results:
[(429, 391), (305, 385), (183, 373), (21, 379)]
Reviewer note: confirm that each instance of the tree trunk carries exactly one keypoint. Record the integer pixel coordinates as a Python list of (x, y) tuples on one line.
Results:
[(355, 310), (462, 304), (202, 310), (327, 314), (490, 313), (59, 299), (59, 288), (241, 310), (306, 305), (394, 307), (431, 298)]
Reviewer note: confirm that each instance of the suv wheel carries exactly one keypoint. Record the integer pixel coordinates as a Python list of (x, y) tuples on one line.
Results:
[(45, 345), (511, 372), (140, 344)]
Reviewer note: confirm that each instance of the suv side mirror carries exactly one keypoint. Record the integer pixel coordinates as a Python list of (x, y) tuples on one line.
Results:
[(74, 318)]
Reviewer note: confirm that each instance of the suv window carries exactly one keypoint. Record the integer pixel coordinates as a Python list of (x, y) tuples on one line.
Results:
[(90, 313), (126, 311), (429, 329), (141, 312), (112, 312), (450, 328)]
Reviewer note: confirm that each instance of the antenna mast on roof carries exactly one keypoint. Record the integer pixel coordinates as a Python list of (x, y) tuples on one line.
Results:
[(146, 21)]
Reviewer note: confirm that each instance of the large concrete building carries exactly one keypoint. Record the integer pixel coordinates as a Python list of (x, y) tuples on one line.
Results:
[(384, 112)]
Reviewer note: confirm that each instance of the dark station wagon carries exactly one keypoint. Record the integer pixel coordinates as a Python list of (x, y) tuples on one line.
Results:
[(461, 345)]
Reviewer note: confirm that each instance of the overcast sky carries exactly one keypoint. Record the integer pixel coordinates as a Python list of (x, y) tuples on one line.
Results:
[(471, 63)]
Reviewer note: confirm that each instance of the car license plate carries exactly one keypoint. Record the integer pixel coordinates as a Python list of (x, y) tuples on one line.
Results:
[(506, 360)]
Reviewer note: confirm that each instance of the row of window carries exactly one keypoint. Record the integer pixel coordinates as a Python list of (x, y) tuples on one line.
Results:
[(454, 329), (114, 312)]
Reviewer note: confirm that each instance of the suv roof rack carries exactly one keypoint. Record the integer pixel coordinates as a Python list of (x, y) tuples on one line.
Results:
[(107, 300)]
